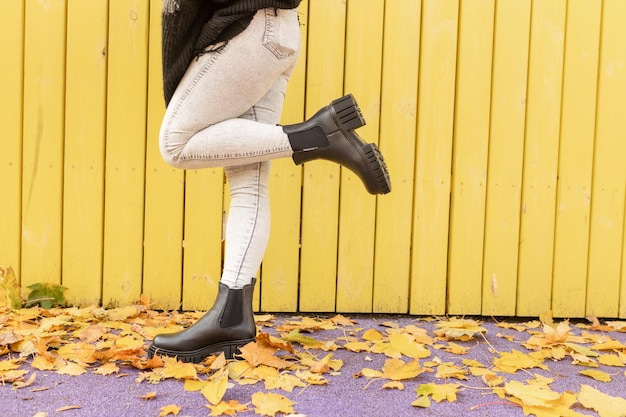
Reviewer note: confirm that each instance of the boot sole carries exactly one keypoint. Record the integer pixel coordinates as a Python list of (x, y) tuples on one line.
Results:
[(229, 349), (348, 117)]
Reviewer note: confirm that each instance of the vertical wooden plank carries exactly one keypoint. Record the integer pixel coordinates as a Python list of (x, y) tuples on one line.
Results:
[(471, 143), (320, 201), (622, 293), (398, 115), (202, 261), (506, 147), (85, 127), (545, 71), (363, 62), (163, 235), (433, 157), (609, 168), (575, 158), (11, 112), (279, 291), (125, 151), (42, 186)]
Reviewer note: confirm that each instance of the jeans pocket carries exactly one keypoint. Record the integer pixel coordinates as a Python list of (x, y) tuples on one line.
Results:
[(282, 32)]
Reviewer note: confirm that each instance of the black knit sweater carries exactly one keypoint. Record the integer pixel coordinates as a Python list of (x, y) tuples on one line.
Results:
[(190, 26)]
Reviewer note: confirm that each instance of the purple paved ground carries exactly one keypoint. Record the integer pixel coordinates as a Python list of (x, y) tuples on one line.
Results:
[(345, 396)]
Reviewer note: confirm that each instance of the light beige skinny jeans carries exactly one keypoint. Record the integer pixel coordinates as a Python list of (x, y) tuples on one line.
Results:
[(225, 113)]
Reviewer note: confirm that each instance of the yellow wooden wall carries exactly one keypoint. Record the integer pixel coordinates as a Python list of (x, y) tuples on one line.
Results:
[(503, 123)]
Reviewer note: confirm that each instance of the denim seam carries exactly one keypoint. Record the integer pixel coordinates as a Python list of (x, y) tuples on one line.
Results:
[(253, 222)]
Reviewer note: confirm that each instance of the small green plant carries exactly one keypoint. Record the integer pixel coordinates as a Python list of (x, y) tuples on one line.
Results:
[(46, 295)]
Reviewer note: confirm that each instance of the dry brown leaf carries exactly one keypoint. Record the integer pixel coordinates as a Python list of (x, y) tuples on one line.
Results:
[(256, 354), (67, 408), (28, 383)]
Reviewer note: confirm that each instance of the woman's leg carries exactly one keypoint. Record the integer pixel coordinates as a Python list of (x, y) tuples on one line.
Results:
[(203, 126)]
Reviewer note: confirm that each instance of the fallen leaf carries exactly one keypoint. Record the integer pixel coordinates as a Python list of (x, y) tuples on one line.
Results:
[(422, 402), (257, 354), (172, 409), (149, 396), (438, 392), (72, 369), (394, 385), (269, 404), (107, 369), (230, 408), (31, 381), (216, 387), (597, 375), (511, 362), (459, 329), (532, 394), (67, 408), (397, 369), (604, 404)]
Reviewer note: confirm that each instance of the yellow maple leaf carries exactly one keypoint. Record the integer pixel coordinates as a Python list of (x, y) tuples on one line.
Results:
[(343, 321), (611, 360), (269, 404), (458, 329), (405, 344), (597, 375), (370, 373), (610, 345), (107, 369), (43, 364), (358, 347), (558, 333), (394, 385), (286, 382), (604, 404), (72, 369), (178, 370), (311, 378), (372, 335), (256, 353), (10, 291), (194, 385), (229, 408), (449, 370), (493, 380), (216, 387), (172, 409), (397, 369), (511, 362), (531, 394), (438, 392), (560, 408)]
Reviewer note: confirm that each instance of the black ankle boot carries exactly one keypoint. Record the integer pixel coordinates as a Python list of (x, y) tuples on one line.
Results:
[(226, 327), (330, 135)]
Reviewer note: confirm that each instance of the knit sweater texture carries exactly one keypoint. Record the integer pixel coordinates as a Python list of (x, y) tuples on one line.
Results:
[(191, 26)]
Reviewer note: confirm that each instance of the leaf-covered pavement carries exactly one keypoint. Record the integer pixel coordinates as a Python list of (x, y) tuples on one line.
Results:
[(91, 362)]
